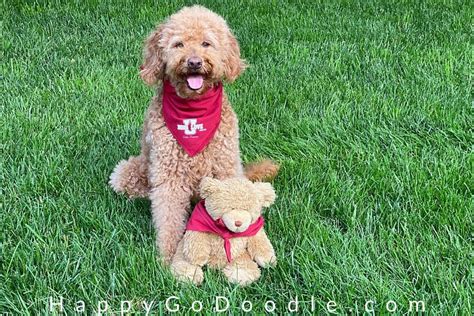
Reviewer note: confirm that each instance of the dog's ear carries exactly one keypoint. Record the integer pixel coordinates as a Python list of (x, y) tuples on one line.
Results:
[(208, 186), (233, 64), (152, 68), (267, 193)]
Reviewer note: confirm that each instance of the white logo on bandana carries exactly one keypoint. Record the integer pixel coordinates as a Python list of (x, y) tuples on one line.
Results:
[(190, 127)]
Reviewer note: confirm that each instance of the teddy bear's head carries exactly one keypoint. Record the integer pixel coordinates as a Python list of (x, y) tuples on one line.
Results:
[(238, 202)]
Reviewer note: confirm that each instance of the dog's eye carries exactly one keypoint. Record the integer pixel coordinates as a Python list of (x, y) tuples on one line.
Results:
[(205, 44), (179, 45)]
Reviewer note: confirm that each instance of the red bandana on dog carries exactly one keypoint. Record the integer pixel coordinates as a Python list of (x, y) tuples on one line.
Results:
[(192, 122), (201, 221)]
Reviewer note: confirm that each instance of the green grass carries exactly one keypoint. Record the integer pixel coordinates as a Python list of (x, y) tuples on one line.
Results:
[(367, 105)]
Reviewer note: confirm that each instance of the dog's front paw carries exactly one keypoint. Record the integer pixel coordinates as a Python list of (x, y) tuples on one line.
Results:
[(266, 260)]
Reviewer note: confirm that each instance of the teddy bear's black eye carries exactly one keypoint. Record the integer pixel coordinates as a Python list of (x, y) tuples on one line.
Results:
[(205, 44), (179, 45)]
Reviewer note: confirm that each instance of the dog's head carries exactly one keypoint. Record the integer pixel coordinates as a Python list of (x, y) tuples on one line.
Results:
[(194, 49)]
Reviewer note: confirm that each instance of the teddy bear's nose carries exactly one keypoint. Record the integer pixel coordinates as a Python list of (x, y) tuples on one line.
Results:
[(238, 223)]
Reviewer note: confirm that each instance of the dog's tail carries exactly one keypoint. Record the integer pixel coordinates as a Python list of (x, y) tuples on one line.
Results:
[(130, 177), (264, 170)]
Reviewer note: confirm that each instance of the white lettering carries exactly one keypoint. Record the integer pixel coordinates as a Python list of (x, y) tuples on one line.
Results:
[(270, 309), (123, 309), (218, 307), (393, 304), (331, 307), (313, 304), (247, 306), (416, 303), (103, 306), (147, 307), (190, 127), (80, 307), (193, 306), (175, 306), (60, 304), (371, 308), (293, 305)]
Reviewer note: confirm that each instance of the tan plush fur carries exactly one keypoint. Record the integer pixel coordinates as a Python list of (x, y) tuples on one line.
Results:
[(163, 171), (232, 200)]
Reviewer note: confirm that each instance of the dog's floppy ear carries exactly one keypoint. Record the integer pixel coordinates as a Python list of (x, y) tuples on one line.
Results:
[(267, 193), (233, 64), (152, 68), (208, 186)]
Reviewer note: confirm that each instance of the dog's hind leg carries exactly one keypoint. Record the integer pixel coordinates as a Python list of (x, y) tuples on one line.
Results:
[(130, 177)]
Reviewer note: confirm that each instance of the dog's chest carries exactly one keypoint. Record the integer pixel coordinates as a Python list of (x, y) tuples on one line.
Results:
[(173, 161), (173, 156)]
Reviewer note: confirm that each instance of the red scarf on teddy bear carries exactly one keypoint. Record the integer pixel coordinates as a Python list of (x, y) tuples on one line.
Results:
[(201, 221)]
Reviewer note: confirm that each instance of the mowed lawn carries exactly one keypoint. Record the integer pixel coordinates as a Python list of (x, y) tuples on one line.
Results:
[(366, 105)]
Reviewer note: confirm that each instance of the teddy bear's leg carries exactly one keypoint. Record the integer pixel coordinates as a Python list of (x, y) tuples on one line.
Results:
[(183, 270), (261, 249), (196, 248), (170, 205), (242, 270)]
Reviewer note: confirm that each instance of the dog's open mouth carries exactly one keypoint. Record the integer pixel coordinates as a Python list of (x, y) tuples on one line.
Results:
[(195, 82)]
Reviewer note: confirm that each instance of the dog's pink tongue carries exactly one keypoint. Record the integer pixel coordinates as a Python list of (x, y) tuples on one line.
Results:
[(195, 81)]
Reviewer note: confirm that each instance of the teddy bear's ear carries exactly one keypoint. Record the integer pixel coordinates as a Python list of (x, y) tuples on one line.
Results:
[(267, 193), (208, 186)]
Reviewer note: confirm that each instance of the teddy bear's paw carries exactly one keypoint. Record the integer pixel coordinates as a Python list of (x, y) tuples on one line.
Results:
[(241, 276), (266, 261), (189, 274)]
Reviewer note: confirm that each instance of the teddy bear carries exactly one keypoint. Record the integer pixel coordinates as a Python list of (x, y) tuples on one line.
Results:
[(225, 232)]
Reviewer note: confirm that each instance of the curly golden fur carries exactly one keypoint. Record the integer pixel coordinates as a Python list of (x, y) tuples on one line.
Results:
[(231, 200), (163, 171)]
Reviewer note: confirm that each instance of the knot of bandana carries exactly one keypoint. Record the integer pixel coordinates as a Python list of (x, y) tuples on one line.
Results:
[(192, 122)]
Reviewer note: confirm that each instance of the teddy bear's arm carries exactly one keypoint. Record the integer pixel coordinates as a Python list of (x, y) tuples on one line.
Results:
[(196, 247), (261, 249)]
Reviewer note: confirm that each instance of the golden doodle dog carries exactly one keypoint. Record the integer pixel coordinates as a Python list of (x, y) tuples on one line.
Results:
[(190, 130), (225, 231)]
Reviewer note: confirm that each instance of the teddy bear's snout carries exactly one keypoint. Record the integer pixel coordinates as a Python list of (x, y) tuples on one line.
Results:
[(237, 221)]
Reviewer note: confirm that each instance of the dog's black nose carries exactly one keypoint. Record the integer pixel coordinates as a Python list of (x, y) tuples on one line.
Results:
[(194, 63)]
